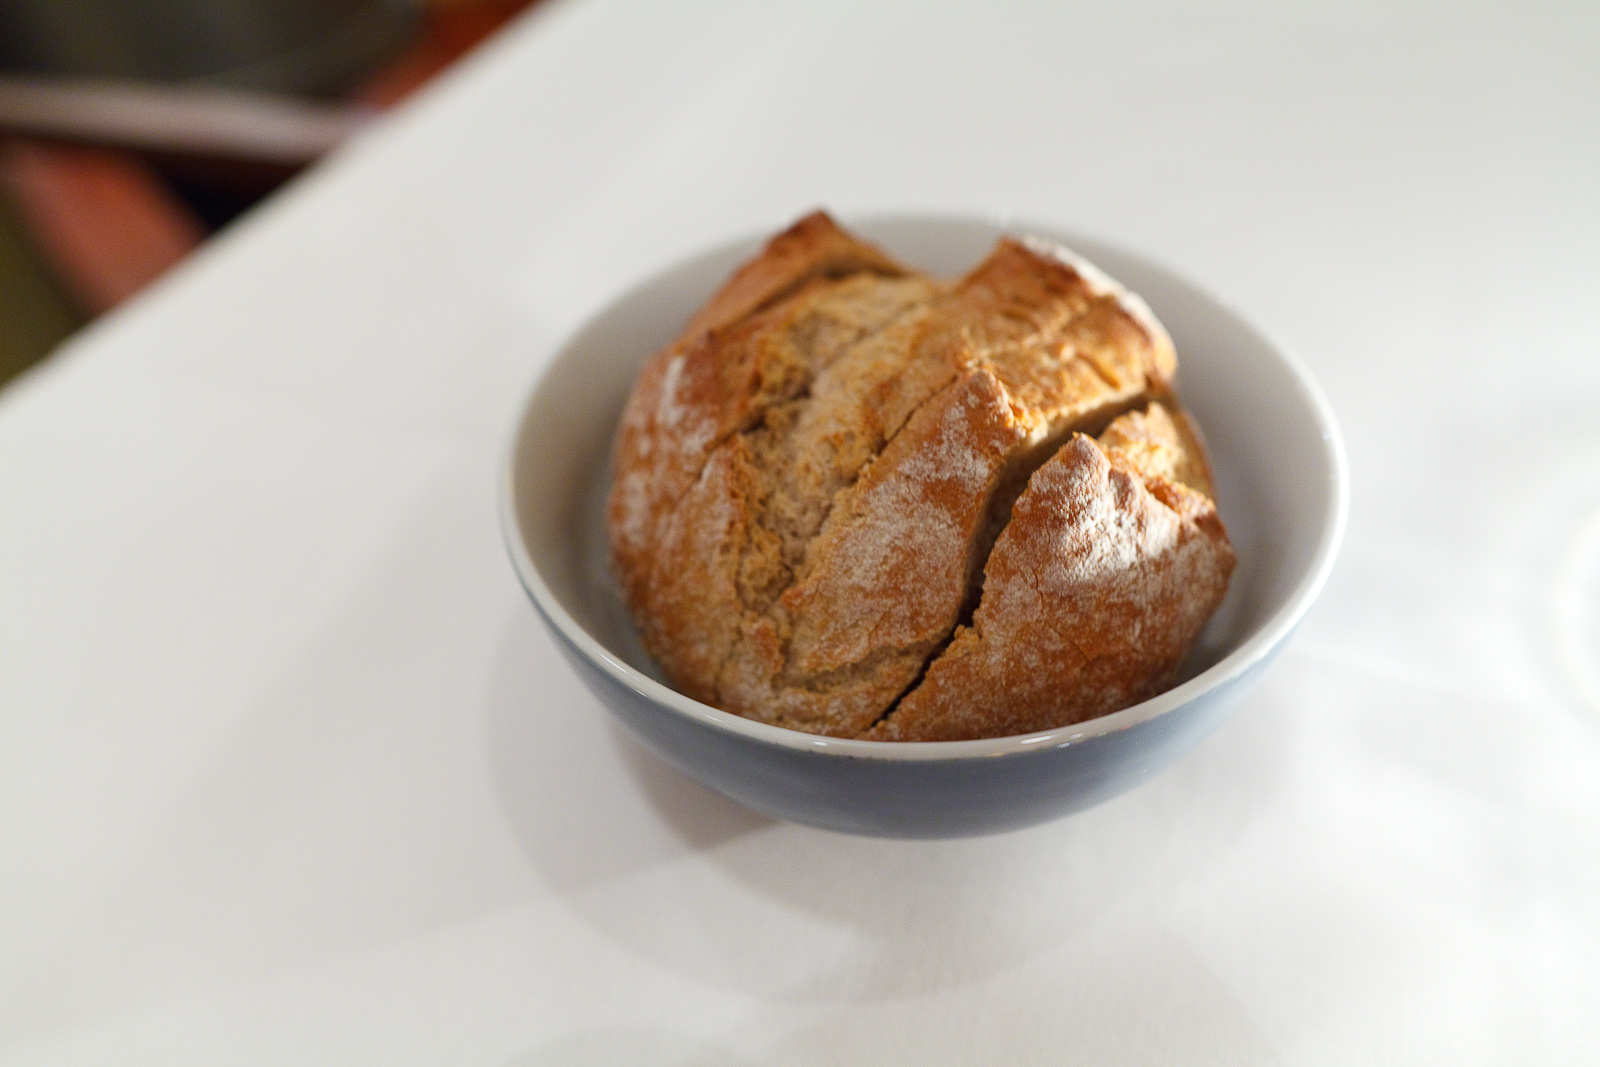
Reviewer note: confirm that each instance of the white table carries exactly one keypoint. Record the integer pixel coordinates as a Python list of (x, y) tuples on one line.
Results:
[(290, 773)]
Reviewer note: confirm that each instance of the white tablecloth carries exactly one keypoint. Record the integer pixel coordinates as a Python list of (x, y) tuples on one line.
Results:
[(290, 773)]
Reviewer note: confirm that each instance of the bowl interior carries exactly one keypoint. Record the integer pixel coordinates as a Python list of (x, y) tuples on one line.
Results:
[(1274, 448)]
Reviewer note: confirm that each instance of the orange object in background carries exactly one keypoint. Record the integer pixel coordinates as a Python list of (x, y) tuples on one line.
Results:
[(101, 216)]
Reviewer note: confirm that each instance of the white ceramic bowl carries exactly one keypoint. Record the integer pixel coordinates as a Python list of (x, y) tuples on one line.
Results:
[(1282, 485)]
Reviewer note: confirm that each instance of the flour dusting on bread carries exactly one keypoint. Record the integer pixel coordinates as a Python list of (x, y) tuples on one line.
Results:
[(857, 501)]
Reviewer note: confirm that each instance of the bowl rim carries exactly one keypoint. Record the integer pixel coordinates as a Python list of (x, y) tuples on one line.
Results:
[(1255, 648)]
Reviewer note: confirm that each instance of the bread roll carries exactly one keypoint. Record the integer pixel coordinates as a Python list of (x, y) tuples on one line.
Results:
[(855, 501)]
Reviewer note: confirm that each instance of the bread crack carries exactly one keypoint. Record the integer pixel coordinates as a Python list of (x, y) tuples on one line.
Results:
[(816, 483), (824, 631), (773, 441), (1096, 597)]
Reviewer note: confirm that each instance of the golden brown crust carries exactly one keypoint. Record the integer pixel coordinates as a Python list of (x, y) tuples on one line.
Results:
[(814, 247), (1161, 442), (1092, 596), (809, 480), (719, 377), (877, 594)]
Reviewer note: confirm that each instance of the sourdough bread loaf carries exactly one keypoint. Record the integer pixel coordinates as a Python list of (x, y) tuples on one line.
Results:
[(853, 500)]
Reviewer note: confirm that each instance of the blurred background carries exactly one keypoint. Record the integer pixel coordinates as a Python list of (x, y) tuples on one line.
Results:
[(133, 130)]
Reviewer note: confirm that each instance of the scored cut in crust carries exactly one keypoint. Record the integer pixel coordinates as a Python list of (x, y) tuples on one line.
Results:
[(810, 480), (1092, 596)]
